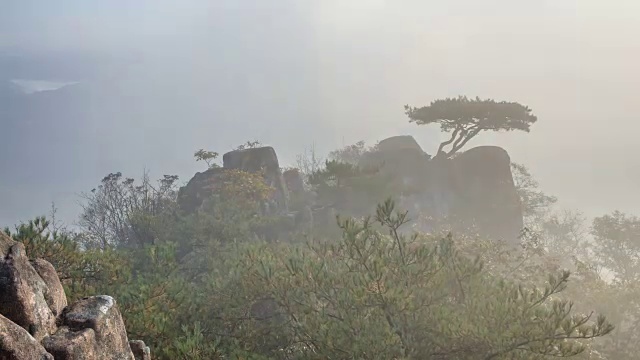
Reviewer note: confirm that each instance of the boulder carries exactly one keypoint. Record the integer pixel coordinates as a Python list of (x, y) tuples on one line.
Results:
[(140, 350), (100, 315), (472, 193), (399, 158), (397, 155), (485, 192), (191, 196), (261, 159), (5, 244), (398, 143), (17, 344), (54, 292), (72, 345), (23, 294)]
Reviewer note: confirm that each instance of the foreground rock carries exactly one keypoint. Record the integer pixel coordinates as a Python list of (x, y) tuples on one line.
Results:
[(37, 324), (92, 326), (5, 244), (140, 350), (22, 294), (17, 344), (54, 293)]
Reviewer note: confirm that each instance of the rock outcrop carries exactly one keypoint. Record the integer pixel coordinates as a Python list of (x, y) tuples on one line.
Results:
[(22, 294), (36, 322), (5, 244), (263, 159), (17, 344), (191, 196), (485, 192), (401, 159), (399, 143), (474, 190)]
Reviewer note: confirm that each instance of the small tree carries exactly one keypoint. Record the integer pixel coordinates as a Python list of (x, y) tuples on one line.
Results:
[(535, 203), (309, 162), (207, 156), (350, 154), (249, 145), (119, 212), (465, 118)]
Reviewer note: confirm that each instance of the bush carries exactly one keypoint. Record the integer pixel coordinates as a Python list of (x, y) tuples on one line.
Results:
[(373, 293)]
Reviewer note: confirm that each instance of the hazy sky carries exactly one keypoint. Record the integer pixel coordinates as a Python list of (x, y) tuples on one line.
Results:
[(174, 76)]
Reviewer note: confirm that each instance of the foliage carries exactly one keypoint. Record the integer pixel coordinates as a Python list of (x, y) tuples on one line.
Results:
[(192, 344), (618, 239), (535, 203), (465, 118), (202, 286), (246, 189), (208, 157), (350, 154), (158, 297), (309, 162), (372, 295), (119, 211), (249, 145), (603, 258), (617, 249), (350, 189)]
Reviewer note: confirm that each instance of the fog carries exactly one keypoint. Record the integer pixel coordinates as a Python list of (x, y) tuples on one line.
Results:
[(154, 80)]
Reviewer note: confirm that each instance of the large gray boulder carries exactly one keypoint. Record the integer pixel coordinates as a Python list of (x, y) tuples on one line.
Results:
[(72, 345), (98, 315), (54, 293), (400, 159), (472, 193), (23, 294), (17, 344), (398, 143), (485, 192)]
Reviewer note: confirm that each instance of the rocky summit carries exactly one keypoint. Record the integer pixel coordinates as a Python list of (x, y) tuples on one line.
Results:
[(473, 192)]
